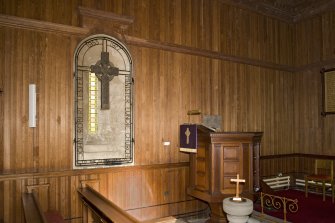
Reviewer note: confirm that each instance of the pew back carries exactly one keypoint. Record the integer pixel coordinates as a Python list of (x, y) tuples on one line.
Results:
[(32, 209)]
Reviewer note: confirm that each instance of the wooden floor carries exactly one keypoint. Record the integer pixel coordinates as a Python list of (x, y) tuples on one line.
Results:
[(265, 218), (195, 219), (256, 217)]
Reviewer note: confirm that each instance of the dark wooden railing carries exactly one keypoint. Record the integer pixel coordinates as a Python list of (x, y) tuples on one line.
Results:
[(97, 205)]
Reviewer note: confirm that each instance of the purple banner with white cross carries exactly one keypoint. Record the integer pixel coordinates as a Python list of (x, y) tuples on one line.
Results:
[(188, 138)]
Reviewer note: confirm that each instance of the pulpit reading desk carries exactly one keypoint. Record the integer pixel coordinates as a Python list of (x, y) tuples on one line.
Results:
[(219, 157)]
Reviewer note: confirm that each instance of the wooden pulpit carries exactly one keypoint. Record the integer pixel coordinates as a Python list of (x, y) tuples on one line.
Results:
[(219, 157)]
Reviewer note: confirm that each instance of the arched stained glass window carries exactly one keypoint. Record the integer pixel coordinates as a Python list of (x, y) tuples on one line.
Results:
[(103, 103)]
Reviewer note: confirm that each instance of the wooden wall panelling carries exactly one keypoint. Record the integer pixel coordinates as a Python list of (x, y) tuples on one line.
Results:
[(176, 28), (186, 22), (161, 87), (253, 82), (149, 192), (2, 101), (186, 90), (205, 74), (163, 23), (308, 41), (194, 80), (144, 9), (164, 109), (308, 112), (131, 40), (313, 45), (16, 187), (328, 35), (24, 68), (216, 90), (194, 18), (173, 103), (215, 28), (2, 198), (144, 98), (157, 110), (153, 19), (6, 202), (206, 23), (41, 11), (296, 165), (58, 103), (75, 204), (268, 105), (15, 111)]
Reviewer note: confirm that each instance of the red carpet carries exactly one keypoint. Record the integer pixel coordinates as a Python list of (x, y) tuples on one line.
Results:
[(53, 217), (311, 209)]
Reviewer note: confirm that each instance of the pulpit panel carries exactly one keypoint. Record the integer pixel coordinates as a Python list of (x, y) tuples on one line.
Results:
[(230, 152), (231, 165), (202, 179), (227, 186), (231, 168), (248, 168)]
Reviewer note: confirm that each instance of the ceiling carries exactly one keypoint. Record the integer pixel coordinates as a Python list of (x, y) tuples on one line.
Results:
[(287, 10)]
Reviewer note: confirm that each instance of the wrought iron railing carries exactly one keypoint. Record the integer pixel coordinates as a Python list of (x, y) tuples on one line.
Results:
[(278, 202)]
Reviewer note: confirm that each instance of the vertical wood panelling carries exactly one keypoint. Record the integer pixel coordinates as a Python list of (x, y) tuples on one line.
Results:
[(309, 46), (54, 114), (295, 165), (2, 101), (328, 35), (283, 105), (313, 133)]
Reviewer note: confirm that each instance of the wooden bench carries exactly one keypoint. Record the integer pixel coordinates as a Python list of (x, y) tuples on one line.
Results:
[(33, 212)]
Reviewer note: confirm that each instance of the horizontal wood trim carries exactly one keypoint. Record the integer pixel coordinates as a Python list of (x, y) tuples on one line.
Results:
[(41, 26), (317, 65), (103, 15), (6, 177), (217, 55), (294, 155), (205, 53)]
